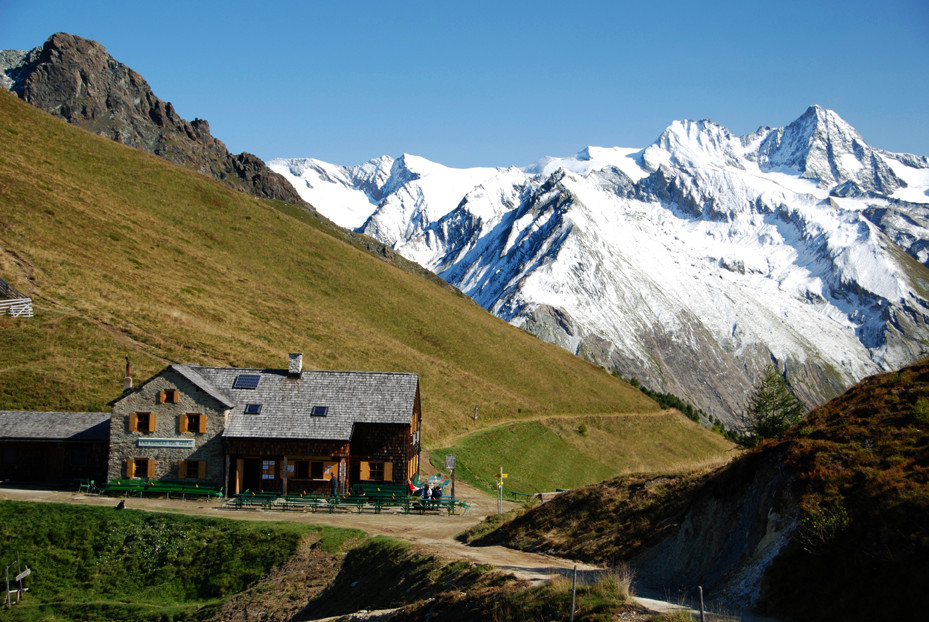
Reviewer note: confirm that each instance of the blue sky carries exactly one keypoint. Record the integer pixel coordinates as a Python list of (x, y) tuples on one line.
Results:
[(500, 83)]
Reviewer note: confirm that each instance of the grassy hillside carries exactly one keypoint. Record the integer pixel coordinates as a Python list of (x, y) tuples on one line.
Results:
[(94, 563), (566, 452), (128, 255), (849, 489)]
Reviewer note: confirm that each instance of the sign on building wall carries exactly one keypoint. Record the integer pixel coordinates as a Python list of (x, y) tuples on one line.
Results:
[(171, 443)]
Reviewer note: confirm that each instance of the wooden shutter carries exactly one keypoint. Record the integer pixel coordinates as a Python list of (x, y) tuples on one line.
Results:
[(202, 424), (364, 471), (133, 423), (201, 469), (130, 468), (160, 398), (182, 469), (151, 422), (151, 465), (388, 471), (171, 395), (181, 424)]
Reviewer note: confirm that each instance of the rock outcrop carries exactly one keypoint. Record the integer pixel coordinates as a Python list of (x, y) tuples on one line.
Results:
[(77, 80)]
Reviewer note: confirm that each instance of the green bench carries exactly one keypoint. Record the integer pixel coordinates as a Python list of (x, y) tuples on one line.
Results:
[(254, 499), (450, 504), (124, 487), (348, 502), (302, 502), (521, 496), (390, 491), (183, 490), (379, 503), (138, 488)]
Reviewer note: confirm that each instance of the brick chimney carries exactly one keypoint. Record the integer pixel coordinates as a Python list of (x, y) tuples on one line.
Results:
[(295, 369)]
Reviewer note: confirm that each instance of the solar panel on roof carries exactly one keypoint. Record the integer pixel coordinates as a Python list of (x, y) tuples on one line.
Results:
[(246, 381)]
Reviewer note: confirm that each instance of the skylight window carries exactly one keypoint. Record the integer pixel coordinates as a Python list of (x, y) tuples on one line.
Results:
[(253, 409), (246, 381), (319, 411)]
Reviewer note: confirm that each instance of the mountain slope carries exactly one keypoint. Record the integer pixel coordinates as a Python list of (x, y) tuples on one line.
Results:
[(77, 80), (825, 524), (691, 264), (128, 255)]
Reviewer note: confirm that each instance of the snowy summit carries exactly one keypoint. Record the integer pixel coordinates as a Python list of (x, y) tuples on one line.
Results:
[(690, 264)]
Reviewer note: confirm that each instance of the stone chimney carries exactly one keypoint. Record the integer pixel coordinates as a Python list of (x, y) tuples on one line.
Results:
[(295, 369), (127, 381)]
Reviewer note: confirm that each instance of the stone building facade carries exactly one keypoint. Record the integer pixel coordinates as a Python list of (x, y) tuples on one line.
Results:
[(283, 430), (169, 428)]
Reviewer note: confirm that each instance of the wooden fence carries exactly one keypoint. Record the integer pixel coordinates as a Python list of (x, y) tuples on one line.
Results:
[(13, 301)]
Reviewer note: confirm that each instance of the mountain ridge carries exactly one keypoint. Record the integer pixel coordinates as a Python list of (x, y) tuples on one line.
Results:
[(77, 80), (689, 264), (125, 254)]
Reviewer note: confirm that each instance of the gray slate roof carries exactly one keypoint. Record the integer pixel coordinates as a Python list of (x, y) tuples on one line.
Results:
[(17, 424), (216, 393), (286, 403)]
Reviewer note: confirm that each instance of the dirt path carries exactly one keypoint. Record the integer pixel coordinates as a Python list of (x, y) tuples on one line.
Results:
[(435, 533)]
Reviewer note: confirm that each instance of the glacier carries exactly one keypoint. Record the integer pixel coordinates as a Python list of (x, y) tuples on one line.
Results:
[(690, 264)]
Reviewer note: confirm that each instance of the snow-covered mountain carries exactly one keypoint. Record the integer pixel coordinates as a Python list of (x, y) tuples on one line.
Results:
[(690, 264)]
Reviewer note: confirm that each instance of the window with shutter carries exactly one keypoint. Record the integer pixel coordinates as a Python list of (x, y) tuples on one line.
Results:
[(142, 422)]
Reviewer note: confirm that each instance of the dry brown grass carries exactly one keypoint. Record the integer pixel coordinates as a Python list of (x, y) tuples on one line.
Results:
[(128, 255)]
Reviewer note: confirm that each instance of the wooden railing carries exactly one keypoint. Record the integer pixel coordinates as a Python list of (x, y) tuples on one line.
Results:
[(13, 301)]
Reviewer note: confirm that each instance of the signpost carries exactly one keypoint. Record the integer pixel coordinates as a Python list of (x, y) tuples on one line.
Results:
[(451, 461), (500, 477)]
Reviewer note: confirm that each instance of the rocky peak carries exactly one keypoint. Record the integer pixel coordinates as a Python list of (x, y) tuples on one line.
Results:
[(76, 79), (823, 147)]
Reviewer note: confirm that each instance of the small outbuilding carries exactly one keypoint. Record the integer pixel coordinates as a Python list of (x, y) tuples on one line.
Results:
[(53, 447)]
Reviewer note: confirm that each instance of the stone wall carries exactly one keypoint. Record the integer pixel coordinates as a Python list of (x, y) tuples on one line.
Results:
[(126, 444)]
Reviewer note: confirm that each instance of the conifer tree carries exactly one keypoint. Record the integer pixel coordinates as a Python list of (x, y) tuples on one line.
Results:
[(772, 409)]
